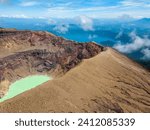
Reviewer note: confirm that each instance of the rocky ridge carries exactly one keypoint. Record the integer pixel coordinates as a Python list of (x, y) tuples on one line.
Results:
[(25, 53)]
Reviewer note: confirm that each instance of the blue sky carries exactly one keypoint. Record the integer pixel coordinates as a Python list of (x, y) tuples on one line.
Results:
[(73, 8)]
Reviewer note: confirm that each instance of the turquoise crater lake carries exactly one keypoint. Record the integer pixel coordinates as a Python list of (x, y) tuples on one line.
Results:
[(25, 84)]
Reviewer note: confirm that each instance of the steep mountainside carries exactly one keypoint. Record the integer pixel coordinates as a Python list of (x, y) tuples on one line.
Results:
[(26, 53), (87, 77)]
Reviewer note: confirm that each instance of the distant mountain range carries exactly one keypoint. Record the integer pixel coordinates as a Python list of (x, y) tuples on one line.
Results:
[(145, 22)]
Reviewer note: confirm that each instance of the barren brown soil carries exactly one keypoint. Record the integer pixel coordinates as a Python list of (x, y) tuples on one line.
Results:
[(107, 82), (24, 53)]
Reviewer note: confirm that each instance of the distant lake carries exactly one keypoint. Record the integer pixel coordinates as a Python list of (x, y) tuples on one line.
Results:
[(25, 84)]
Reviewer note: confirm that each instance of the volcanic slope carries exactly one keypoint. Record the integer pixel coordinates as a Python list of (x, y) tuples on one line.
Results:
[(26, 53), (107, 82)]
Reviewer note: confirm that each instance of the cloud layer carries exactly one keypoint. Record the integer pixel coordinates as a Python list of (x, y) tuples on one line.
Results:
[(85, 22), (63, 28), (137, 44), (73, 8), (29, 3), (146, 53), (91, 37)]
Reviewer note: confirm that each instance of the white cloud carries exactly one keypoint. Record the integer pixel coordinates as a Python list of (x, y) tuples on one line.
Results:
[(130, 3), (135, 3), (61, 28), (29, 3), (85, 22), (66, 9), (119, 34), (126, 17), (92, 36), (137, 44), (15, 16), (51, 21), (128, 7), (146, 53), (20, 16)]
